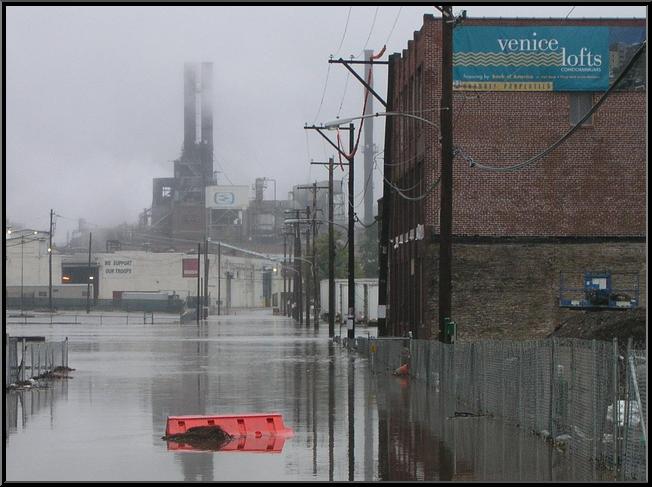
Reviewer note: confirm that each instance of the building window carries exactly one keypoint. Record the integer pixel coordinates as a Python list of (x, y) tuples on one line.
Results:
[(166, 192), (42, 294), (580, 103)]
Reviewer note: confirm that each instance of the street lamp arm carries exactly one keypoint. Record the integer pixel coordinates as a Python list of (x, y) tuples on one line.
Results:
[(335, 123)]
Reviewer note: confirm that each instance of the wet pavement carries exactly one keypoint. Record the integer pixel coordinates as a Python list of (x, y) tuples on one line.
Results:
[(106, 423)]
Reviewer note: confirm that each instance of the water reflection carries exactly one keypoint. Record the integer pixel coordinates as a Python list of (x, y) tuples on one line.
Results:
[(348, 424), (419, 440), (22, 405)]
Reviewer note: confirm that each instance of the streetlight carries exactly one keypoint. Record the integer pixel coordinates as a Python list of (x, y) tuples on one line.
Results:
[(335, 123)]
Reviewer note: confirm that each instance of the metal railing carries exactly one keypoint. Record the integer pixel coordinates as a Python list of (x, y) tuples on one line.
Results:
[(561, 389)]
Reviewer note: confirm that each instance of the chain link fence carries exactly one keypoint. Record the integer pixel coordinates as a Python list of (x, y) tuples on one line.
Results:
[(561, 389), (25, 359)]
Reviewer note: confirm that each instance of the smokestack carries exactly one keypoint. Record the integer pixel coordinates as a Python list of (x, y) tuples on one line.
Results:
[(189, 110), (207, 117)]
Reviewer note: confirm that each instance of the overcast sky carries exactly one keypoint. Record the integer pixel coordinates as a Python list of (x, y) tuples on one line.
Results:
[(94, 105)]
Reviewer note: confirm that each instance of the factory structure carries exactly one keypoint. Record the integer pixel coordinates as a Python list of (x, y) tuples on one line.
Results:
[(131, 266), (529, 241)]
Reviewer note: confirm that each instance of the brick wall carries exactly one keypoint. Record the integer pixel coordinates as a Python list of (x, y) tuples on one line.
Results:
[(591, 186), (511, 290)]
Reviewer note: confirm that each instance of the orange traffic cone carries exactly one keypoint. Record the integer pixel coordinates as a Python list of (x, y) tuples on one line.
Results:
[(402, 370)]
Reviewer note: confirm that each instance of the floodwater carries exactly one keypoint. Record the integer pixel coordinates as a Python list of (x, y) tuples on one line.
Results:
[(107, 421)]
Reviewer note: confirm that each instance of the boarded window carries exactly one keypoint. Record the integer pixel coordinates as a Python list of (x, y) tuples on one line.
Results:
[(580, 104)]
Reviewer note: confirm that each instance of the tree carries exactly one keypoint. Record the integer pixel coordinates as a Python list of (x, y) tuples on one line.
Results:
[(321, 261), (367, 252)]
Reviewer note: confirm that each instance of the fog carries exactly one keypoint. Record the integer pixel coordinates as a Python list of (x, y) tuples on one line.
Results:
[(94, 96)]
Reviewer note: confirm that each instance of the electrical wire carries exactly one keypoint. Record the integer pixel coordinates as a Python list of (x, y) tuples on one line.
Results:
[(328, 72), (345, 29), (516, 167), (393, 26), (406, 197)]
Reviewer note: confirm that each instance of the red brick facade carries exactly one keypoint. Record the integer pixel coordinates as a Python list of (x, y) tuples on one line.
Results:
[(592, 186)]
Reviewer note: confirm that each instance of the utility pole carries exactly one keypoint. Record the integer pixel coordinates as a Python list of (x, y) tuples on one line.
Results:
[(205, 302), (219, 278), (350, 325), (50, 264), (331, 254), (307, 275), (331, 249), (22, 245), (284, 299), (351, 244), (385, 209), (446, 220), (198, 282), (88, 283), (369, 144), (316, 289), (298, 277)]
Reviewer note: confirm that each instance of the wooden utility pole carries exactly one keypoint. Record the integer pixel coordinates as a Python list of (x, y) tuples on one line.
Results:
[(198, 282), (284, 298), (308, 276), (331, 253), (298, 275), (50, 263), (219, 278), (331, 249), (88, 283), (350, 324), (316, 288), (205, 302), (385, 210), (446, 124)]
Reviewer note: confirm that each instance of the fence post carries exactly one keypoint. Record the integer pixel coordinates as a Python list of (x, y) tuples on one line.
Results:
[(22, 359), (593, 401), (615, 404), (31, 363), (39, 360), (66, 352), (623, 455), (553, 374)]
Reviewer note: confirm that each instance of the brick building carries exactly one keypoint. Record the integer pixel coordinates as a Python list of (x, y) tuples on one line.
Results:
[(581, 208)]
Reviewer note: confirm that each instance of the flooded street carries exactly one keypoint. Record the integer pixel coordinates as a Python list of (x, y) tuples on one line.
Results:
[(107, 421)]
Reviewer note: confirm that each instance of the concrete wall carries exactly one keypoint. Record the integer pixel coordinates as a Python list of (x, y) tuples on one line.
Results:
[(145, 271)]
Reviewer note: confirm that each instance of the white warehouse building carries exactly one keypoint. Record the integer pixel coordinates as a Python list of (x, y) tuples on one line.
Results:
[(246, 281)]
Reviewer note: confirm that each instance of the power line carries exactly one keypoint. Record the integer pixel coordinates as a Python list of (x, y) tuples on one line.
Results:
[(344, 34), (562, 139), (399, 191), (328, 72), (393, 26)]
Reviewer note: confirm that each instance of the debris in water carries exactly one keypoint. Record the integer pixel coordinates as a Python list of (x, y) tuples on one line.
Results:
[(202, 437)]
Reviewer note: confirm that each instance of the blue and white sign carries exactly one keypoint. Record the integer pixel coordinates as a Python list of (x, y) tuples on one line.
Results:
[(227, 197), (541, 58)]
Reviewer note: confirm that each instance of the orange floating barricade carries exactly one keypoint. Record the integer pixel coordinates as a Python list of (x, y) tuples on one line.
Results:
[(250, 432)]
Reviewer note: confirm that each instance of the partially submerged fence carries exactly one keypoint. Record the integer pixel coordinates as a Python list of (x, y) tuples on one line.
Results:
[(26, 359), (562, 389), (143, 317)]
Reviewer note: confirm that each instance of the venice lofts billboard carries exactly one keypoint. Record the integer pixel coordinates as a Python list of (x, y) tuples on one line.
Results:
[(545, 58)]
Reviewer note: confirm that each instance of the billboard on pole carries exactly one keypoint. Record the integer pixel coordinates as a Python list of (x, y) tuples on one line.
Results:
[(227, 197)]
